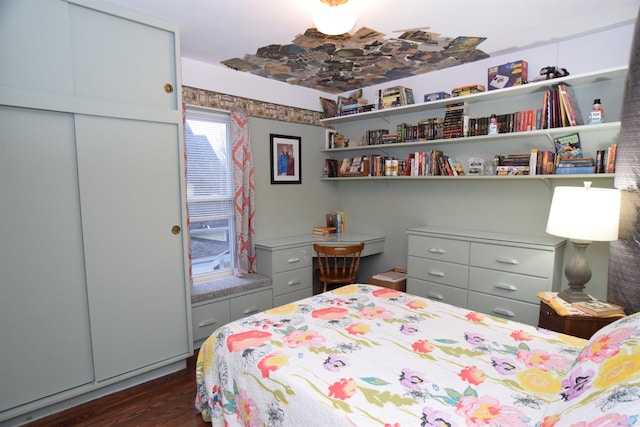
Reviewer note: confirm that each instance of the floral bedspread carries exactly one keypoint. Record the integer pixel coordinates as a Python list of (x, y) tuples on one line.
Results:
[(368, 356)]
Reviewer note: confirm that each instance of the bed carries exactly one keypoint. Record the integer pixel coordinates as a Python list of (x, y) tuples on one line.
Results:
[(363, 355)]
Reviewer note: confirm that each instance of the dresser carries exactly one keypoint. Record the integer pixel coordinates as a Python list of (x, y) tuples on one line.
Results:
[(288, 261), (492, 273)]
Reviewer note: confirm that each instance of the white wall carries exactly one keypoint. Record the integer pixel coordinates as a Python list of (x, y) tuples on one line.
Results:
[(393, 207)]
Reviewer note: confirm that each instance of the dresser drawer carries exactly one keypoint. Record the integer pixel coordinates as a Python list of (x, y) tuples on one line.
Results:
[(291, 297), (509, 285), (439, 249), (534, 262), (246, 305), (504, 307), (446, 273), (289, 259), (436, 292), (207, 318), (293, 280)]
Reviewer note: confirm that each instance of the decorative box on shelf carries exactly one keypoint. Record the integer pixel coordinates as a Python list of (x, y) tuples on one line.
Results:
[(357, 166)]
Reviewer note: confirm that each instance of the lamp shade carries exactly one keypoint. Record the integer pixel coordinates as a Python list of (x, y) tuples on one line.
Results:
[(336, 18), (585, 213)]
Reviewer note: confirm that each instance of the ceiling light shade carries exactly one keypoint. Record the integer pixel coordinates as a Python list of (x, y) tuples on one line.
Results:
[(333, 17)]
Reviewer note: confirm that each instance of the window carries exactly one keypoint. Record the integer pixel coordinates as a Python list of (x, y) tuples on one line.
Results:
[(210, 193)]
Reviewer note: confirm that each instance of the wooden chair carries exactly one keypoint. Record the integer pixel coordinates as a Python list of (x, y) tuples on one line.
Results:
[(338, 264)]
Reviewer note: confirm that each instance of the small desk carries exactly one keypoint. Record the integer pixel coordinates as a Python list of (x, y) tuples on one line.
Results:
[(288, 261)]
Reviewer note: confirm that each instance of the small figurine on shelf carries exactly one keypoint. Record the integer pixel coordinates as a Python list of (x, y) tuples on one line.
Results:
[(597, 113)]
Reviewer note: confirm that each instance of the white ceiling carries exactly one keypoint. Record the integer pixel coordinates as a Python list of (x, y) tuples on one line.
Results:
[(215, 30)]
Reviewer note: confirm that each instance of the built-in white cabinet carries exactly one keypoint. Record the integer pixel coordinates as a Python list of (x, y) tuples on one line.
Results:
[(492, 273), (94, 271)]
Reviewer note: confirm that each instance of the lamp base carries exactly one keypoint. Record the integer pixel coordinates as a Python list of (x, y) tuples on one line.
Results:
[(576, 294)]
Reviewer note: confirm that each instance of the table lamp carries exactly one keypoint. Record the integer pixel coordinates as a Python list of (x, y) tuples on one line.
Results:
[(583, 215)]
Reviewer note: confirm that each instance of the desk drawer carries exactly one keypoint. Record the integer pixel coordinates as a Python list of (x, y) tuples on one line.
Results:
[(207, 318), (440, 249), (445, 273), (436, 292), (509, 285), (503, 307), (289, 259), (293, 280), (534, 262), (249, 304)]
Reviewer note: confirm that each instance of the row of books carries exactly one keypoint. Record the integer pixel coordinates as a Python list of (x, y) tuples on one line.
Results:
[(560, 108)]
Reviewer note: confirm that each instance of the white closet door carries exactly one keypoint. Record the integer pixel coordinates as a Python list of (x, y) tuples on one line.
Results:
[(45, 345), (119, 60), (130, 201)]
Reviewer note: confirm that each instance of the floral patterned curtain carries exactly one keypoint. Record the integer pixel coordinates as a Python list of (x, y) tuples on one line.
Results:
[(244, 190)]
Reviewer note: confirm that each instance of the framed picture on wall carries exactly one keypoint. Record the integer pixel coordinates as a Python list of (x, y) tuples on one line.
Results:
[(285, 159)]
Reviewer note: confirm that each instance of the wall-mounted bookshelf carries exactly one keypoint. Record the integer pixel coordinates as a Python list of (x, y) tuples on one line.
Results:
[(606, 84)]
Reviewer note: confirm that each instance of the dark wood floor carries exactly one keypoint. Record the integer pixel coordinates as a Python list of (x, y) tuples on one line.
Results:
[(166, 401)]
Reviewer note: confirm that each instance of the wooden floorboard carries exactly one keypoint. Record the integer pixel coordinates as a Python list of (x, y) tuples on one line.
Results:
[(166, 401)]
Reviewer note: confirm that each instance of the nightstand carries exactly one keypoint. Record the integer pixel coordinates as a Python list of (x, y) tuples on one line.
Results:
[(579, 326)]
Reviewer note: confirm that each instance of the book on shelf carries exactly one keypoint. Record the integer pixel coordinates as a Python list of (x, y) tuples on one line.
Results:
[(598, 308), (611, 158), (331, 168), (568, 146)]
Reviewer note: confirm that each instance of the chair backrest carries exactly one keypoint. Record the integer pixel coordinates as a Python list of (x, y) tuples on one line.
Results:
[(338, 263)]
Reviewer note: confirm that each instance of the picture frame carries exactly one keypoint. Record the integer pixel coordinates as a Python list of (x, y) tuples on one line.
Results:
[(285, 158)]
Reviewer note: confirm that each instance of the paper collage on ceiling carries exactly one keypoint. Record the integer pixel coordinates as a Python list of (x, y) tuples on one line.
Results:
[(337, 64)]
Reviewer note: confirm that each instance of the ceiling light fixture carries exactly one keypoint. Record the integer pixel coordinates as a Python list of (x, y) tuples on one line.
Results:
[(333, 17)]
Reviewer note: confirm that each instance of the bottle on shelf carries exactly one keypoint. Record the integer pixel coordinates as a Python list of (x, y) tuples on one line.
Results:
[(493, 125), (597, 113)]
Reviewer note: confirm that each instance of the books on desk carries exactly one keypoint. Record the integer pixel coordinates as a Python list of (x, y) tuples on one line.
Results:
[(323, 231)]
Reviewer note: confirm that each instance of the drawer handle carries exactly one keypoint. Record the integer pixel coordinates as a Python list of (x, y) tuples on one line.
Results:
[(250, 310), (437, 251), (504, 312), (292, 260), (505, 286), (433, 295), (511, 261), (436, 273), (207, 322), (293, 282)]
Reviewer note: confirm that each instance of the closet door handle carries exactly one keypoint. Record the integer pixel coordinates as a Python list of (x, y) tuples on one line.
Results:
[(505, 286)]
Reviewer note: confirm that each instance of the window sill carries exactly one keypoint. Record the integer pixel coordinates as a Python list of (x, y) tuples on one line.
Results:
[(227, 286)]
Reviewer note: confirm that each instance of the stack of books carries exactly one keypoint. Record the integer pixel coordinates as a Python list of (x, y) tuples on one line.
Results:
[(598, 308), (323, 231), (454, 114), (395, 96)]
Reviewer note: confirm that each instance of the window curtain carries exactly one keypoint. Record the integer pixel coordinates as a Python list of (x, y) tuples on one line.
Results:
[(244, 189)]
